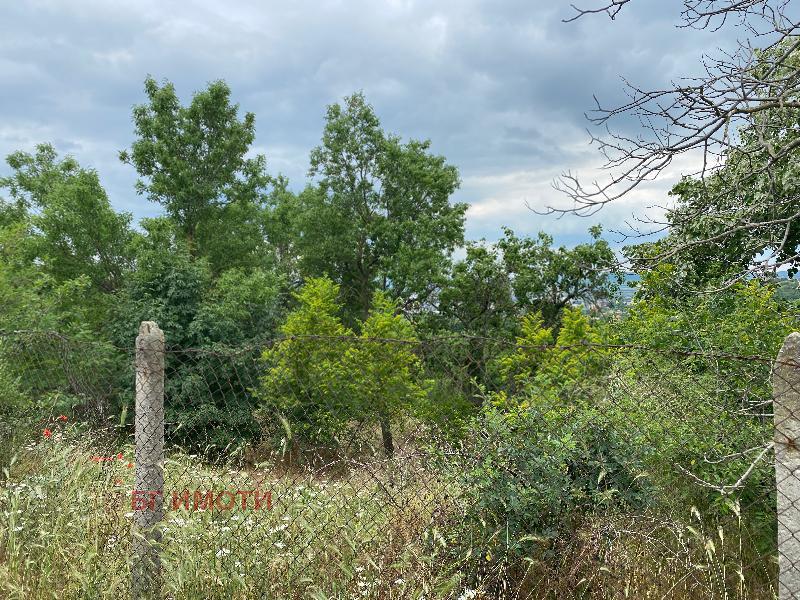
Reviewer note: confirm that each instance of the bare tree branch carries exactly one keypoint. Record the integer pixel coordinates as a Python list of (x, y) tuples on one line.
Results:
[(742, 110)]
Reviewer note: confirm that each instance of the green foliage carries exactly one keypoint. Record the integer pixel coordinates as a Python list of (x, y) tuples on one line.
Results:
[(197, 311), (380, 216), (581, 426), (54, 200), (787, 290), (241, 305), (477, 297), (192, 159), (541, 468), (306, 381), (747, 317), (543, 358), (710, 405), (12, 398), (386, 373), (489, 293), (551, 449), (323, 384), (168, 285), (532, 345), (547, 279)]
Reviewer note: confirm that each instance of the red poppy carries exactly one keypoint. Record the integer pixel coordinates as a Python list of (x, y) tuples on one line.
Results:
[(62, 418), (47, 433), (119, 456), (129, 465)]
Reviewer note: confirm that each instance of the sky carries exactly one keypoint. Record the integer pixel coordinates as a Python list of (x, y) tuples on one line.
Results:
[(499, 87)]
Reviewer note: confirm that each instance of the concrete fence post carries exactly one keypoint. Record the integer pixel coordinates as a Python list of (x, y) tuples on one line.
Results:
[(786, 410), (147, 499)]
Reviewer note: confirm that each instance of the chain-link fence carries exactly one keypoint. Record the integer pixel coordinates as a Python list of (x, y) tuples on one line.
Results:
[(342, 467)]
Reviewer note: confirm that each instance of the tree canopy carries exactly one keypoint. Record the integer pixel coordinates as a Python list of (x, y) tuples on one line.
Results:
[(193, 159), (380, 215)]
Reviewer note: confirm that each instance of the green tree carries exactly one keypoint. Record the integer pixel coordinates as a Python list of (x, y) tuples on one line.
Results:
[(380, 215), (546, 279), (305, 383), (324, 384), (63, 251), (192, 160), (477, 301), (72, 231), (168, 285), (477, 298), (548, 359), (387, 373), (208, 397)]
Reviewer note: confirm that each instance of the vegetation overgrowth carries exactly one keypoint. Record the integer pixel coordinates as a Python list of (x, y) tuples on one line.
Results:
[(501, 425)]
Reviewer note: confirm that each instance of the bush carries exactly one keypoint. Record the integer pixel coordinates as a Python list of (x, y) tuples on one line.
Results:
[(324, 385)]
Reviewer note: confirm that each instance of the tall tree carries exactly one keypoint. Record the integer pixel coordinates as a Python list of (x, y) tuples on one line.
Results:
[(380, 215), (192, 159), (477, 298), (547, 279), (73, 229)]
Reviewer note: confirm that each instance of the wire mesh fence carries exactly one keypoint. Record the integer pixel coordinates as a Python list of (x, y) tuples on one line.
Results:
[(343, 467)]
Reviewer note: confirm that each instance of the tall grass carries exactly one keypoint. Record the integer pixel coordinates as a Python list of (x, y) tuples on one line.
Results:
[(65, 530), (386, 531)]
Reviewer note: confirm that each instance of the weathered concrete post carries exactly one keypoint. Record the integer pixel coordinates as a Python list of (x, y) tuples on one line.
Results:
[(147, 500), (786, 408)]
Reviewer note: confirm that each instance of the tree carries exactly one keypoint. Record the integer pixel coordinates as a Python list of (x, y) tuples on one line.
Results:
[(71, 229), (167, 286), (387, 372), (547, 279), (64, 252), (208, 397), (477, 301), (305, 383), (380, 215), (323, 384), (192, 159), (477, 298), (739, 118)]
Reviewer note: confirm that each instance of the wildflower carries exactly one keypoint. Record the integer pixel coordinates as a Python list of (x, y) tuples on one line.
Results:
[(129, 465), (62, 418), (119, 456), (118, 482), (47, 433)]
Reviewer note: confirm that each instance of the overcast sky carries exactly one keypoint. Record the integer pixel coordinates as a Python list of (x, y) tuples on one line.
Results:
[(500, 87)]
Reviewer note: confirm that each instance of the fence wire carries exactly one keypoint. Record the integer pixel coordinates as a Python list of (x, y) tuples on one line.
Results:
[(345, 467)]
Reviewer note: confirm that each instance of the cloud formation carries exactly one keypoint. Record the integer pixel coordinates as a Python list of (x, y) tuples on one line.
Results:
[(499, 87)]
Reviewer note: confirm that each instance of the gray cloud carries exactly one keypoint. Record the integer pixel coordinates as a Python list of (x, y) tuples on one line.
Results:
[(499, 87)]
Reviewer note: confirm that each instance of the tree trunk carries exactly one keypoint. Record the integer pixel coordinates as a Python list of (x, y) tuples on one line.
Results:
[(386, 433)]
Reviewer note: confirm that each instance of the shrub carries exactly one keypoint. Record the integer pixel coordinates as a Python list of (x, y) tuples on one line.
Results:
[(323, 384)]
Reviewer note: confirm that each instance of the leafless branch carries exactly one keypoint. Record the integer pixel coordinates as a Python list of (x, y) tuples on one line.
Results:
[(738, 107)]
